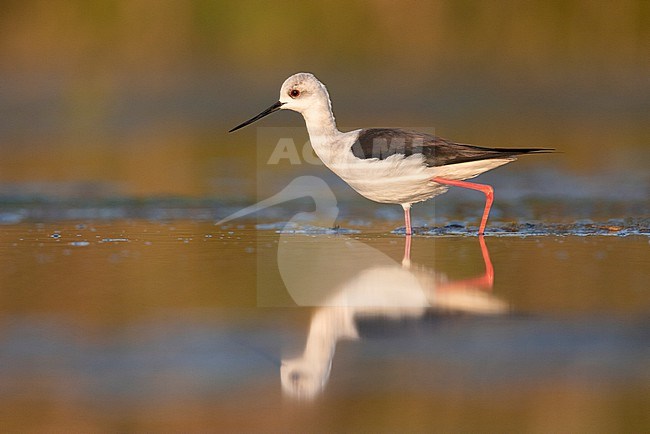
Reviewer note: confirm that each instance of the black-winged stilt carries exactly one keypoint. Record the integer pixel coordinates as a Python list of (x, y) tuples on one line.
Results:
[(388, 165)]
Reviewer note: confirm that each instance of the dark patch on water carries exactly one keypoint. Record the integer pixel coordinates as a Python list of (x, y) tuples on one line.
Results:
[(295, 228), (614, 227)]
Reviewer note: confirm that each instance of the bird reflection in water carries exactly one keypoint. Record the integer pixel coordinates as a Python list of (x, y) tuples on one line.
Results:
[(347, 280), (381, 290)]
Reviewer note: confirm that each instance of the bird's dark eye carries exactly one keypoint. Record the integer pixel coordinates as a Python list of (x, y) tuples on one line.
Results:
[(294, 93)]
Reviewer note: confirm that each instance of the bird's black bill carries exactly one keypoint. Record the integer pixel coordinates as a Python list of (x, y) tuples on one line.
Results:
[(268, 111)]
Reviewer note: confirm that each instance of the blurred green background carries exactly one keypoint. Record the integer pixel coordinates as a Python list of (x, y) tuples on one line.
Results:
[(133, 98)]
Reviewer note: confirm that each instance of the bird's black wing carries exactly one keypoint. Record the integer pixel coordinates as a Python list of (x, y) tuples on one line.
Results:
[(381, 143)]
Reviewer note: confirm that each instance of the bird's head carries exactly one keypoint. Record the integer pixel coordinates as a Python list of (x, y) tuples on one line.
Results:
[(300, 93)]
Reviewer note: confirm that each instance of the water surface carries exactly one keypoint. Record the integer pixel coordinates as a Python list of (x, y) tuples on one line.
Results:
[(181, 324)]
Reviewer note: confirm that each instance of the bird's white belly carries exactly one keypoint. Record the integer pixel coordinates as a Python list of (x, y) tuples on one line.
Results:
[(393, 180), (404, 180), (399, 189)]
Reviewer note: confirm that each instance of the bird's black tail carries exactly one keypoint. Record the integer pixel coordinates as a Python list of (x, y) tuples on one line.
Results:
[(523, 150), (454, 153)]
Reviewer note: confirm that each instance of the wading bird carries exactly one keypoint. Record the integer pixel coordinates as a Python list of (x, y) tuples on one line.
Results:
[(388, 165)]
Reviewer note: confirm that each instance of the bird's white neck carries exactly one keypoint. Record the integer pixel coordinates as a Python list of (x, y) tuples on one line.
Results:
[(320, 123), (326, 140)]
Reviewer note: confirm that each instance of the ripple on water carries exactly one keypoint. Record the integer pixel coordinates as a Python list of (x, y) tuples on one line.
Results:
[(79, 243), (295, 228)]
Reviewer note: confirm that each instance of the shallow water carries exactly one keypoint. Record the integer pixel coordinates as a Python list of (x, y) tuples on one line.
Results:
[(181, 324)]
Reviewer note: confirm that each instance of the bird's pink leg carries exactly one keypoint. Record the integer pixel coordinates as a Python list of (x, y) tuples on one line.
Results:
[(407, 250), (407, 221), (406, 261), (486, 189)]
